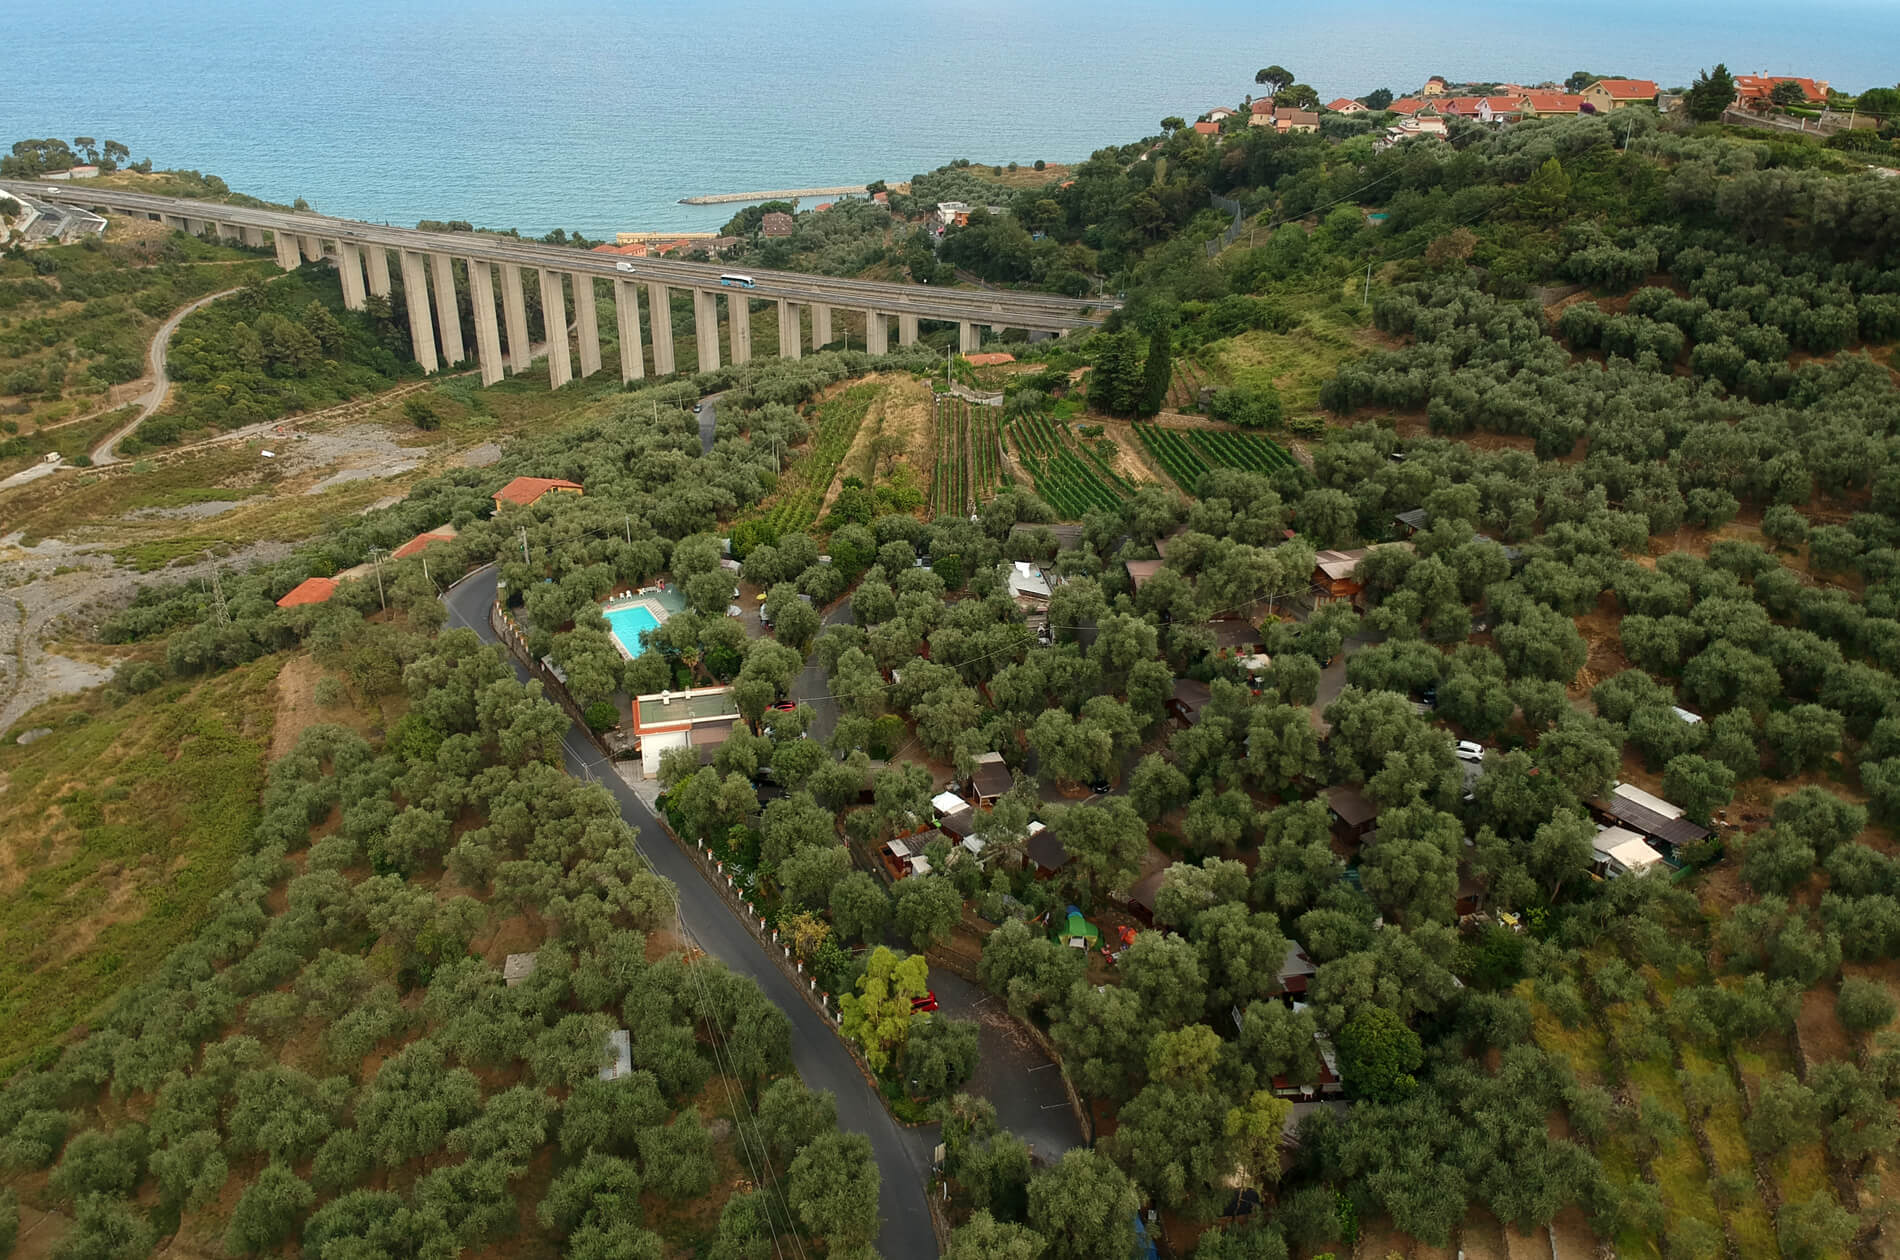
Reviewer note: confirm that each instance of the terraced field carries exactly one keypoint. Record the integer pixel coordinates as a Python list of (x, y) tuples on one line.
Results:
[(1069, 475)]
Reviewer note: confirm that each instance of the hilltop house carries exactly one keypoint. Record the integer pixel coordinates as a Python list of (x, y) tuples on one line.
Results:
[(1493, 110), (1753, 88), (524, 491), (1220, 114), (1408, 105), (1290, 121), (1434, 86), (1346, 105), (1606, 95), (777, 223), (1207, 129), (1260, 112)]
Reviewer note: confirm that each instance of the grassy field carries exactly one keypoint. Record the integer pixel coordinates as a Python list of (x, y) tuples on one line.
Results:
[(116, 831), (1296, 363)]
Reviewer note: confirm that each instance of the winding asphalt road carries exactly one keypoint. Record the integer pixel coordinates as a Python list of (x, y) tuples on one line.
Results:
[(161, 383), (821, 1060)]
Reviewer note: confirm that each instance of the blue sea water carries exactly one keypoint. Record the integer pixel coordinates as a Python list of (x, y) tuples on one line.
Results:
[(628, 624), (598, 116)]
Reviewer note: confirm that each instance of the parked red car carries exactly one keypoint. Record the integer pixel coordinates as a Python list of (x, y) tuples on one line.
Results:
[(928, 1002)]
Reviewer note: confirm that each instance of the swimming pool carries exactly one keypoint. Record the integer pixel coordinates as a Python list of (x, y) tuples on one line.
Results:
[(628, 622)]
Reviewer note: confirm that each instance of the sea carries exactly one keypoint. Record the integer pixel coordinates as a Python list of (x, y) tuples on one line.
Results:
[(599, 115)]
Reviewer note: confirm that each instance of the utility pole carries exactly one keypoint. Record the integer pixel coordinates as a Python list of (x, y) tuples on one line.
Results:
[(425, 572), (629, 519), (376, 559), (524, 544), (1367, 295)]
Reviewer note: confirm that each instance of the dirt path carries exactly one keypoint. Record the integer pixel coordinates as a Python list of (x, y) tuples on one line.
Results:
[(103, 453)]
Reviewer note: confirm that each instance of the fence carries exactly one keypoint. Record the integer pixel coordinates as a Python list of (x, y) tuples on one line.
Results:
[(1232, 233)]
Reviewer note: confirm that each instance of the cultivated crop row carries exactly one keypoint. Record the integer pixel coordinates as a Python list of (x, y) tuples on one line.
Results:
[(1065, 480), (1240, 450), (801, 491), (1174, 453)]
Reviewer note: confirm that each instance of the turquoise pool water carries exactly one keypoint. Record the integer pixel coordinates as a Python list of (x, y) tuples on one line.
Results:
[(629, 623)]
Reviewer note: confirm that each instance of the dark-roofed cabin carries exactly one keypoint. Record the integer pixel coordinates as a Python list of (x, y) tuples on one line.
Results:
[(1352, 810), (1189, 698), (1141, 897), (1046, 851), (991, 778)]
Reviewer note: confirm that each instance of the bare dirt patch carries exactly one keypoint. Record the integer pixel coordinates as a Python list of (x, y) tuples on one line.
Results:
[(1818, 1031), (1601, 630), (1131, 457)]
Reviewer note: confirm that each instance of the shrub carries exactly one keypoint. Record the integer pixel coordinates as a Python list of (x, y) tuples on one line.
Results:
[(419, 413)]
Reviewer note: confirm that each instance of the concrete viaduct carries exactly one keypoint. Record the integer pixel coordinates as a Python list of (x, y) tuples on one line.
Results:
[(364, 253)]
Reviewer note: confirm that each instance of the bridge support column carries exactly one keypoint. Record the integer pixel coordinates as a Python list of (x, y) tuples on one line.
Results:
[(287, 255), (820, 326), (788, 338), (349, 265), (660, 328), (587, 320), (969, 338), (906, 330), (378, 259), (554, 320), (627, 321), (877, 332), (415, 295), (514, 308), (481, 296), (312, 248), (228, 232), (448, 312), (251, 236), (739, 315), (172, 221), (706, 328)]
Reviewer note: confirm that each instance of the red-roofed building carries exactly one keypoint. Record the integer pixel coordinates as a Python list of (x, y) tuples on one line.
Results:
[(1346, 105), (637, 249), (1460, 106), (1408, 105), (823, 206), (1500, 109), (777, 223), (1759, 87), (1434, 86), (422, 540), (1260, 112), (1206, 129), (882, 198), (1547, 104), (1220, 113), (526, 490), (315, 590), (1611, 94)]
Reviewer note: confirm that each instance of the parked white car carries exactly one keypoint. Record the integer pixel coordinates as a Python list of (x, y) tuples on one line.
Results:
[(1468, 751)]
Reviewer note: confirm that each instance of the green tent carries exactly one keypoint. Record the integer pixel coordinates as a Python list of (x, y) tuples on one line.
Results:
[(1079, 928)]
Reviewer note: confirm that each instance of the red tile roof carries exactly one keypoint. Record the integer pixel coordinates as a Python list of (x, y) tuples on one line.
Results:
[(1207, 128), (1759, 87), (1262, 106), (1628, 89), (309, 591), (777, 223), (417, 543), (637, 249), (1345, 105), (1408, 105), (1463, 106), (1554, 102), (525, 490)]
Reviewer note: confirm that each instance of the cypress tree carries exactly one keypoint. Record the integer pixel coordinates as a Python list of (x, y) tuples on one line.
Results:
[(1156, 372)]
